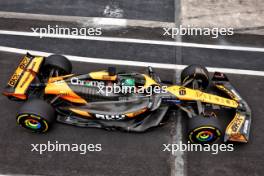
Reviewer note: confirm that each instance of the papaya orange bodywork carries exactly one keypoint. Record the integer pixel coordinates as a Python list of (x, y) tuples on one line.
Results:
[(58, 78), (61, 88), (80, 112), (134, 114)]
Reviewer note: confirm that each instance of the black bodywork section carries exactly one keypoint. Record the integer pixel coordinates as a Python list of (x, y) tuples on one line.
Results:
[(139, 124)]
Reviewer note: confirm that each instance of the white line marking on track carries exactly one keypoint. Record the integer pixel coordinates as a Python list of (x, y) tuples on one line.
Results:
[(178, 162), (89, 21), (109, 22), (178, 167), (131, 63), (138, 41)]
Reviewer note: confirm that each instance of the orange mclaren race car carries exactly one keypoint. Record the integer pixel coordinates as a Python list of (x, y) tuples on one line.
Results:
[(128, 101)]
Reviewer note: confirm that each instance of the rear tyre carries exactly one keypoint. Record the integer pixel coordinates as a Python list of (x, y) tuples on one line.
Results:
[(196, 73), (36, 115), (57, 65), (204, 130)]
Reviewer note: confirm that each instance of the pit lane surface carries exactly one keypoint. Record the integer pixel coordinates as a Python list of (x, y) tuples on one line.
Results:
[(137, 9), (247, 158), (123, 153), (138, 52), (129, 153)]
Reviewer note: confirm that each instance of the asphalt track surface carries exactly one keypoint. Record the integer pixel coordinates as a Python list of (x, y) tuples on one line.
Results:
[(139, 52), (126, 153), (122, 154), (138, 9)]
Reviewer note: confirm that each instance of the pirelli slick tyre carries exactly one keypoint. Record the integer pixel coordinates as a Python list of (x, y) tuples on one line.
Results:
[(203, 130), (57, 63), (195, 72), (36, 115)]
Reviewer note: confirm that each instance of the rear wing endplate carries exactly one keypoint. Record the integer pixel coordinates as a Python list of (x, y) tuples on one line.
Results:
[(24, 74)]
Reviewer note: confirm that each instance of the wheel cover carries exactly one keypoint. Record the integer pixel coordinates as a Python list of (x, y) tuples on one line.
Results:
[(204, 134), (33, 124)]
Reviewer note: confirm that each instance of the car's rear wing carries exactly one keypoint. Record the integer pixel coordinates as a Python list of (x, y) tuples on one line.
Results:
[(24, 74), (239, 127)]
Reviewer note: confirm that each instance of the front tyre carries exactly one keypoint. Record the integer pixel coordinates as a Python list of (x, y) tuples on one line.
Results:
[(195, 73), (36, 115), (204, 130)]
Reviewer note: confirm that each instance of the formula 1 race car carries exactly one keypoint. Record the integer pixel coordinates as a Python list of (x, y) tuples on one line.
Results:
[(127, 101)]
